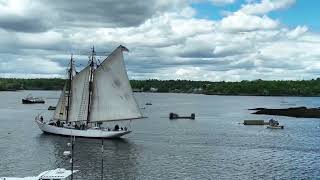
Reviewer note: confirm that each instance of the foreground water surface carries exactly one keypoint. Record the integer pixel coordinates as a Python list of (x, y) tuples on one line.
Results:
[(214, 146)]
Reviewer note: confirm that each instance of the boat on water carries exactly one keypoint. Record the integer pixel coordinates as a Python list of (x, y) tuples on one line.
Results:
[(32, 100), (56, 174), (98, 93), (50, 108), (273, 124)]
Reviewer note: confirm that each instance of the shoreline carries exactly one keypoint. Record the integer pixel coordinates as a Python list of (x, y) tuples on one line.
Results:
[(298, 88), (207, 94)]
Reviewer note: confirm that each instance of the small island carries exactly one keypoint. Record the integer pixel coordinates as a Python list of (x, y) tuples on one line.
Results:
[(299, 112)]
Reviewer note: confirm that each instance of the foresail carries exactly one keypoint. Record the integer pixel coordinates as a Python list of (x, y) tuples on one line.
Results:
[(79, 96), (112, 97), (60, 112)]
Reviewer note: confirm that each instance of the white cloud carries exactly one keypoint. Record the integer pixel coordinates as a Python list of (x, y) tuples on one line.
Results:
[(25, 64), (265, 6), (297, 32), (242, 22), (170, 43)]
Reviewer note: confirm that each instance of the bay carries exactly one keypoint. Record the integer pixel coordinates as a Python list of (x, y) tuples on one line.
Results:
[(213, 146)]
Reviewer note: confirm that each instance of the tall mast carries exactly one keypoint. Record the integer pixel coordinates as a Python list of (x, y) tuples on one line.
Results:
[(72, 147), (90, 83), (69, 91), (102, 149)]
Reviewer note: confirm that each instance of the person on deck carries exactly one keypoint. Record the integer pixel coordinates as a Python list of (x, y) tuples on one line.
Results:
[(41, 119), (271, 122), (116, 127)]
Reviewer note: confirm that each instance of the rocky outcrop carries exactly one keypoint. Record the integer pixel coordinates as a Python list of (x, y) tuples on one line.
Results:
[(299, 112)]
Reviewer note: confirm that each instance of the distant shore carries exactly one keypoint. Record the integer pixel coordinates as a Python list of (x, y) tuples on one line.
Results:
[(309, 88)]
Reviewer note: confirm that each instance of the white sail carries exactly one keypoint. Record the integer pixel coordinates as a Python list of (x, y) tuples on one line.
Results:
[(112, 97), (61, 112), (79, 96)]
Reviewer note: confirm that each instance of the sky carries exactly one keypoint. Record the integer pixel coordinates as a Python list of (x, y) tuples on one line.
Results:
[(212, 40)]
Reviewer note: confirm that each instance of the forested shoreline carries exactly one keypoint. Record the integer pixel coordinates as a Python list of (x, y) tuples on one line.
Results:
[(251, 88)]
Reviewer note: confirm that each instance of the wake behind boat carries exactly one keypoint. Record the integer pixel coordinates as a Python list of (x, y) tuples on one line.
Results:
[(98, 93)]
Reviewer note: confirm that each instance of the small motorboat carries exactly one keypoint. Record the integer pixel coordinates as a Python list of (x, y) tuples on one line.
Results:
[(59, 174), (149, 103), (273, 124), (51, 108), (32, 100)]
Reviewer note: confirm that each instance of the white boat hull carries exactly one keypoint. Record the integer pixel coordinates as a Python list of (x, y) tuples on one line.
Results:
[(275, 127), (59, 174), (88, 133)]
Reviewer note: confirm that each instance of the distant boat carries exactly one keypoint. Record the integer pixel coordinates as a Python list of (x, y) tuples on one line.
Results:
[(99, 93), (273, 124), (32, 100), (148, 103), (57, 174), (51, 108)]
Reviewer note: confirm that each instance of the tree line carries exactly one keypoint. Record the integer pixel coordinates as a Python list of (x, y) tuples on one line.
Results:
[(256, 87), (13, 84)]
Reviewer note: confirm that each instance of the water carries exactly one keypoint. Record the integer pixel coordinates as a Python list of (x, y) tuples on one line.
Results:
[(214, 146)]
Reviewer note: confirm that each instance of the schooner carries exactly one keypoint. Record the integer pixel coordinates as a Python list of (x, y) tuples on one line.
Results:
[(98, 93)]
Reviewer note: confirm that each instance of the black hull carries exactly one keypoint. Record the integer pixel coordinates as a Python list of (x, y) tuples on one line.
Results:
[(25, 101), (51, 108)]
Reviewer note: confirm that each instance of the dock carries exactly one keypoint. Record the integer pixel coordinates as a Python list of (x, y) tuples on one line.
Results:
[(255, 122), (176, 116)]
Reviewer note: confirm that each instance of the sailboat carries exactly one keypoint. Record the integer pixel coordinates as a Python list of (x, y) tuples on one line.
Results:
[(98, 93)]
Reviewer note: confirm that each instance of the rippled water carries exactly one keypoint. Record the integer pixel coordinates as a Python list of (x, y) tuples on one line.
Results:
[(214, 146)]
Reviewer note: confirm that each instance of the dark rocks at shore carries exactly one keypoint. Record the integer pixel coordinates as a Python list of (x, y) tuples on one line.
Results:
[(299, 112)]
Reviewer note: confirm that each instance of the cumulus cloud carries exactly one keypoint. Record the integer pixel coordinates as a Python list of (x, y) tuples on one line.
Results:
[(23, 16), (12, 65), (165, 38), (242, 22), (40, 16), (266, 6), (108, 13), (297, 32)]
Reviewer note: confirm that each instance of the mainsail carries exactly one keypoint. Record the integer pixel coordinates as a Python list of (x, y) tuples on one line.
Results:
[(79, 96), (61, 112), (112, 97)]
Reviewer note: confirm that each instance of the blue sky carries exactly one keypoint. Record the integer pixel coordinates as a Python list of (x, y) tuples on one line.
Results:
[(302, 12)]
